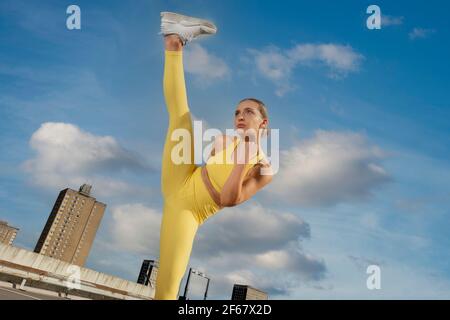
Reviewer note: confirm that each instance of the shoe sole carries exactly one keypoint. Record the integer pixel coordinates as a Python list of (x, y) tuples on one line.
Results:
[(188, 21)]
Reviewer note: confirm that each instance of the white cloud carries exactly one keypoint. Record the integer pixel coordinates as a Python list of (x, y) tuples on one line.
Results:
[(273, 64), (204, 65), (420, 33), (292, 260), (277, 65), (277, 272), (329, 168), (241, 241), (254, 229), (387, 20), (338, 58), (241, 277), (135, 228), (258, 246), (67, 156)]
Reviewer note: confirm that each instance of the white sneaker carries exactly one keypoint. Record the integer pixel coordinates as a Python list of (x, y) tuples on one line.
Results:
[(187, 28)]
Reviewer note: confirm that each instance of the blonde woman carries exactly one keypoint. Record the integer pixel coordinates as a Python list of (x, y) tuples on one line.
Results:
[(194, 193)]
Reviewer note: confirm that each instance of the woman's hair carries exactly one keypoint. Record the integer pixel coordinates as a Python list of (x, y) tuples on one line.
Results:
[(261, 108)]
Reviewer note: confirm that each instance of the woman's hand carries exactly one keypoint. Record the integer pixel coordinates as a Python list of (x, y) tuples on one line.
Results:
[(247, 148)]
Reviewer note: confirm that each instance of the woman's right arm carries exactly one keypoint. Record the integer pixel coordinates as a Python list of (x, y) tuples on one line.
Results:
[(232, 189)]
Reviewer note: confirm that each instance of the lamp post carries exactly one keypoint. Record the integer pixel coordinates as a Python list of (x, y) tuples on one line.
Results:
[(184, 297), (201, 274), (207, 286)]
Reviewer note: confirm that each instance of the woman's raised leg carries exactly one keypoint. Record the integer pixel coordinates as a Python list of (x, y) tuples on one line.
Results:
[(174, 174)]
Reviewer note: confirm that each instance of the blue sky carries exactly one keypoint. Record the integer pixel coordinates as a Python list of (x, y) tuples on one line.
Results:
[(363, 118)]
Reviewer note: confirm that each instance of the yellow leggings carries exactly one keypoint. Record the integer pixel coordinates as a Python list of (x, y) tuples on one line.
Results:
[(186, 200)]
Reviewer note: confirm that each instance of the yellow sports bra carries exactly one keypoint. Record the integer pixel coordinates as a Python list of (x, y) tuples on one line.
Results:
[(218, 168)]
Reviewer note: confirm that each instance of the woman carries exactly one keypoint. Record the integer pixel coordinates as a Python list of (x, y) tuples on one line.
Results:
[(193, 193)]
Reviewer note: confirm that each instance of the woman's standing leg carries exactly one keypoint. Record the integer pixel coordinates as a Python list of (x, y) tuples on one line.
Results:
[(178, 230)]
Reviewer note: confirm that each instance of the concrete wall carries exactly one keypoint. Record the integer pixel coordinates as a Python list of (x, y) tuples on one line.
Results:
[(45, 272)]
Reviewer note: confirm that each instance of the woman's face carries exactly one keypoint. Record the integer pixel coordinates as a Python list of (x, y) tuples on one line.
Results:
[(247, 116)]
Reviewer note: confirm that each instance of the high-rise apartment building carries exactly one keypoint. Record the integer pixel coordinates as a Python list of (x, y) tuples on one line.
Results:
[(71, 227), (7, 233)]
